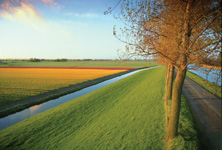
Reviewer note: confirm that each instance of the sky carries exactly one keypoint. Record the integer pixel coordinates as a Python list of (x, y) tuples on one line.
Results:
[(51, 29)]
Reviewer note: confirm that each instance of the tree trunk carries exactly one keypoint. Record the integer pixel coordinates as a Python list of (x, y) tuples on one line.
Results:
[(175, 108), (169, 82), (169, 85), (181, 73)]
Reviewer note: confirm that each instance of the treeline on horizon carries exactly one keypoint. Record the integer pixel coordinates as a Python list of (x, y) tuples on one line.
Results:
[(211, 63), (70, 60)]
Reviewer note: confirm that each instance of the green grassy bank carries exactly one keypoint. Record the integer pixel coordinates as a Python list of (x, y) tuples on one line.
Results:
[(211, 87), (125, 115), (129, 114)]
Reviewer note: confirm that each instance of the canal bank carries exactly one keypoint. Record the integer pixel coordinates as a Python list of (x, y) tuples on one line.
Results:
[(33, 110)]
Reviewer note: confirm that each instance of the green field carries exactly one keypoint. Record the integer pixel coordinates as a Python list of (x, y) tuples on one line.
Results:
[(129, 114), (211, 87), (133, 64)]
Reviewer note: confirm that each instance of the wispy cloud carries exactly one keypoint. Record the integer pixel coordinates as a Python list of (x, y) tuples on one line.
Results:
[(48, 1), (22, 12), (85, 15), (51, 3)]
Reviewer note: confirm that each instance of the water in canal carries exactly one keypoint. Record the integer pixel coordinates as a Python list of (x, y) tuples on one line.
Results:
[(31, 111), (212, 75)]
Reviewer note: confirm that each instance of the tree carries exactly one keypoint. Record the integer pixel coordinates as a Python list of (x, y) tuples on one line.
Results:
[(178, 32), (196, 43)]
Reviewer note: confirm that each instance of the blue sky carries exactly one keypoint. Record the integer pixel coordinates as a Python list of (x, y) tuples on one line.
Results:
[(74, 29)]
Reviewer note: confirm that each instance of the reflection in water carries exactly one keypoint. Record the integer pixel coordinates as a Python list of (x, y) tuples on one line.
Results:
[(212, 75), (29, 112), (34, 108)]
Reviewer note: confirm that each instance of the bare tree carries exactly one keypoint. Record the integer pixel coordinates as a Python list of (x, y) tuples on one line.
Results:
[(178, 32)]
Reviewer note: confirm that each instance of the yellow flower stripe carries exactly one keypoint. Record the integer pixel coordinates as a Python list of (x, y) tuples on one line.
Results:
[(18, 83)]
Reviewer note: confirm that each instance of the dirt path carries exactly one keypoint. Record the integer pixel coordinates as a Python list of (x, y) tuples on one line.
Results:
[(30, 101), (207, 111)]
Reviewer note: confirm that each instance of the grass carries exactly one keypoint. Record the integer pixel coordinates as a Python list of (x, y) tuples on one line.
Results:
[(133, 64), (211, 87), (22, 106), (17, 84), (128, 114), (188, 135)]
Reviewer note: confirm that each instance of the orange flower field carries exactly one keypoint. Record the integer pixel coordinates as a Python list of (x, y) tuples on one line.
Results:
[(19, 83)]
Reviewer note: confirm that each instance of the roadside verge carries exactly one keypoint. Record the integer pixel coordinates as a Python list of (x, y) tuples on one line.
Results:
[(207, 111)]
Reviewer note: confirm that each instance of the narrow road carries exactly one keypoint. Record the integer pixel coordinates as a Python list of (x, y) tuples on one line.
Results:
[(207, 112)]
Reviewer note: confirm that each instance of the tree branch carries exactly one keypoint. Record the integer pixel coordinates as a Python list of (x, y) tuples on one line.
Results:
[(194, 41)]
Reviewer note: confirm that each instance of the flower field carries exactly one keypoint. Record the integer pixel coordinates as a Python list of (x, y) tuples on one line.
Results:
[(19, 83)]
